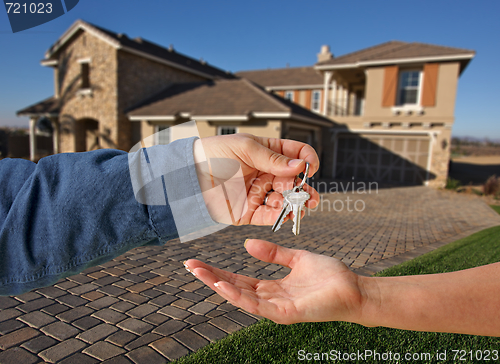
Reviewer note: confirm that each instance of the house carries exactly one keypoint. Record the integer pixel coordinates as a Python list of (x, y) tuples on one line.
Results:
[(111, 91), (382, 113), (392, 106)]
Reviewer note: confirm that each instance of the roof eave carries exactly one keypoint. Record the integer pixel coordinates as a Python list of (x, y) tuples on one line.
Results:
[(462, 57)]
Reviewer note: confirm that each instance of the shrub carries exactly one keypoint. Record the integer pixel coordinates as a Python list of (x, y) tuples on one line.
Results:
[(492, 186), (452, 184)]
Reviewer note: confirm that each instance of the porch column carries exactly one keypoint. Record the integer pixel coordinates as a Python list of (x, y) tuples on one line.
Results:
[(334, 98), (326, 86), (33, 138), (55, 135), (341, 101)]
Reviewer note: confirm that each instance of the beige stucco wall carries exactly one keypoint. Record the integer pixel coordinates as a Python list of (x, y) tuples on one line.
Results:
[(101, 105), (445, 96), (271, 130)]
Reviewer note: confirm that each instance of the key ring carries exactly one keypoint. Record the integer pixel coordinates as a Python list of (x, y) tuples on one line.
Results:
[(267, 196), (305, 177)]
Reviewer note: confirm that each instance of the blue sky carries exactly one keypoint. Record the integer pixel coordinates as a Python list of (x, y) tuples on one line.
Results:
[(256, 34)]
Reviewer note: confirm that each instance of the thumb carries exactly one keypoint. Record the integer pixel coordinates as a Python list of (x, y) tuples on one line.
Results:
[(270, 252), (268, 161)]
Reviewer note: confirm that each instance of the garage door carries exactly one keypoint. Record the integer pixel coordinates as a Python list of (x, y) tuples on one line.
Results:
[(382, 158), (302, 135)]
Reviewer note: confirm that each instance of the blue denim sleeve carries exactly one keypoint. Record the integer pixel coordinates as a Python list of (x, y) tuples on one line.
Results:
[(73, 211)]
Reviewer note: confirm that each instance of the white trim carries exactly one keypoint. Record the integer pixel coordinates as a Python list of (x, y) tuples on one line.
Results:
[(152, 118), (221, 117), (85, 92), (395, 60), (296, 87), (326, 87), (49, 62), (84, 60), (271, 114), (405, 132), (407, 109)]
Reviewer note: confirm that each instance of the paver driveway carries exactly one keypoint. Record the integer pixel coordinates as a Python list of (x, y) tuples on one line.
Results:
[(143, 307)]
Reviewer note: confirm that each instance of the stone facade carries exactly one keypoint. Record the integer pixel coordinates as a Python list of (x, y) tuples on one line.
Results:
[(95, 117), (77, 107), (138, 79)]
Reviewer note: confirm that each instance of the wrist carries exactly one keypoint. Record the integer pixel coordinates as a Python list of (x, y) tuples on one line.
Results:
[(370, 302)]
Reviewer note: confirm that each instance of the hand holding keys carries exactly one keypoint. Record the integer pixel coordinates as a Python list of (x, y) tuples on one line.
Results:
[(293, 201)]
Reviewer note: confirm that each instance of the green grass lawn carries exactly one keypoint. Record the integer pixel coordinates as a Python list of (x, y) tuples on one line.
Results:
[(496, 208), (267, 342)]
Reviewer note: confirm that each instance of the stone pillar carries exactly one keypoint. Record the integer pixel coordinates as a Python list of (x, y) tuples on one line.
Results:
[(33, 138), (55, 135)]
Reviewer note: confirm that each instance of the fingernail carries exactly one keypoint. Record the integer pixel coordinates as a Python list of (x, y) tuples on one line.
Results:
[(193, 273), (185, 266), (294, 162), (245, 244)]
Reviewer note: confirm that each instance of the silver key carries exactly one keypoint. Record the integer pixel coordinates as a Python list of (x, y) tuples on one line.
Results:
[(285, 210), (297, 200)]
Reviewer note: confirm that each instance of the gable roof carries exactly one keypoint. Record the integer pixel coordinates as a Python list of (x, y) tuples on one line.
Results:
[(222, 100), (279, 77), (47, 107), (139, 47), (397, 52)]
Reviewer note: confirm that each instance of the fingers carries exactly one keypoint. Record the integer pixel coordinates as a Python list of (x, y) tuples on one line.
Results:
[(295, 150), (271, 253), (281, 157), (237, 289)]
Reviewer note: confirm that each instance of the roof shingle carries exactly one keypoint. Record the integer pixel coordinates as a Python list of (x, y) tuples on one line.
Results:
[(238, 97), (297, 76), (396, 50)]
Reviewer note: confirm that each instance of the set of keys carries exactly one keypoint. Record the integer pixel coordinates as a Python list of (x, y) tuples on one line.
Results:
[(293, 201)]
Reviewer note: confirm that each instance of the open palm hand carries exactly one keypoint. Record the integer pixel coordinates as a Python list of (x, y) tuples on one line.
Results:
[(318, 288)]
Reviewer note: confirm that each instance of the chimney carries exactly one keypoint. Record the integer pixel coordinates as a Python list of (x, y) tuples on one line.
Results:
[(325, 54)]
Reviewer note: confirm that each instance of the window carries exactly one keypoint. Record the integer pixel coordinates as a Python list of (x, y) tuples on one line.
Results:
[(162, 135), (315, 100), (409, 88), (289, 95), (85, 73), (227, 130)]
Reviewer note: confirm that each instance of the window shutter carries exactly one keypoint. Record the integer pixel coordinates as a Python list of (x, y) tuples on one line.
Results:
[(296, 96), (430, 84), (308, 99), (390, 86)]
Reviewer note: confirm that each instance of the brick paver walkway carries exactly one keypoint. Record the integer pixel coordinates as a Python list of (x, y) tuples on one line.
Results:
[(143, 307)]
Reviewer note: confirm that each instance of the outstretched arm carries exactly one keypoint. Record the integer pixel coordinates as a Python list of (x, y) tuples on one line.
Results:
[(321, 288)]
